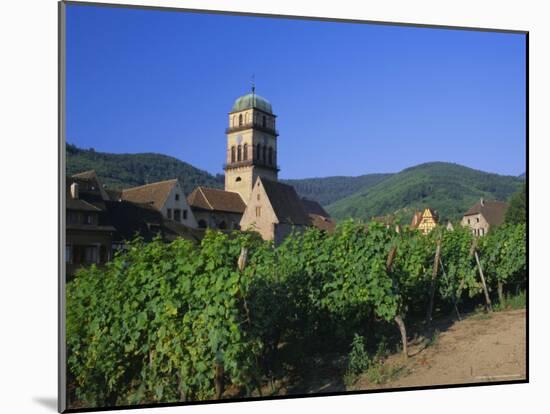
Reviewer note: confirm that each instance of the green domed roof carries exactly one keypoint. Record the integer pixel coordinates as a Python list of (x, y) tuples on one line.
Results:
[(252, 100)]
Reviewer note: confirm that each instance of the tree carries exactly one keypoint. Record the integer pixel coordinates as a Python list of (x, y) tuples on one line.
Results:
[(517, 210)]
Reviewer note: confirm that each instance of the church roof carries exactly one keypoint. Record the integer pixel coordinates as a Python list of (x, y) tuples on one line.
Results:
[(285, 202), (154, 194), (216, 200), (313, 207), (252, 100)]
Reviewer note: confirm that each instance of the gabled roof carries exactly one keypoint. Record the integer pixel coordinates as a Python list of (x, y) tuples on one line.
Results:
[(313, 207), (87, 175), (89, 190), (79, 205), (213, 199), (154, 194), (431, 212), (285, 202), (130, 218), (493, 211)]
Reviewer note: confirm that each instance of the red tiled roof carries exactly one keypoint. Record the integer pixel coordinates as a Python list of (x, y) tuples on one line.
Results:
[(154, 194), (213, 199)]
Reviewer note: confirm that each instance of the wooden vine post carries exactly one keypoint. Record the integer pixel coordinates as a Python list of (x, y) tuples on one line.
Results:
[(473, 252), (398, 319), (434, 276), (487, 298)]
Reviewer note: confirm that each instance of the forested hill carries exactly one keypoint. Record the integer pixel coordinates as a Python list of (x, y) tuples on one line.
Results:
[(328, 190), (129, 170), (449, 188)]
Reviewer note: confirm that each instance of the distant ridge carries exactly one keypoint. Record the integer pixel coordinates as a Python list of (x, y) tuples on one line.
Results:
[(449, 188)]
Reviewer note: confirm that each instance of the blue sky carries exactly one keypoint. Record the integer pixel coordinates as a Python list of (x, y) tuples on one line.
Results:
[(351, 99)]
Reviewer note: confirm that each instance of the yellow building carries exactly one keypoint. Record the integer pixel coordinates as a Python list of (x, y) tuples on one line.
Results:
[(425, 221)]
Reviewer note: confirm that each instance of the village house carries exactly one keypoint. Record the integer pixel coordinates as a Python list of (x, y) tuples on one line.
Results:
[(167, 197), (88, 236), (425, 221), (99, 222), (483, 215)]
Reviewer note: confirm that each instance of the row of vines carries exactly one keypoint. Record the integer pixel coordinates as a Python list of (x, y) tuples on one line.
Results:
[(182, 322)]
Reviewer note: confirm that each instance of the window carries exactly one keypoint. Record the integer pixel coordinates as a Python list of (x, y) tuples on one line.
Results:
[(258, 211), (481, 232), (91, 254), (89, 219), (222, 225), (240, 119), (477, 219), (177, 214), (177, 197), (202, 224), (270, 155), (264, 122), (237, 179), (245, 152), (169, 213), (264, 150), (68, 253), (258, 151), (232, 154), (239, 153), (185, 214), (468, 221)]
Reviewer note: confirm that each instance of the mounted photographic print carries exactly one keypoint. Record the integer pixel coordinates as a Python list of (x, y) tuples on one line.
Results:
[(259, 207)]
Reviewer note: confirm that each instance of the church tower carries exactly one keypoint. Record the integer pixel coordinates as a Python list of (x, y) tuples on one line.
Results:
[(251, 144)]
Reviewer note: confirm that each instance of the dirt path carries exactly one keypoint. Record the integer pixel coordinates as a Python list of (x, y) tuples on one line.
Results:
[(481, 348)]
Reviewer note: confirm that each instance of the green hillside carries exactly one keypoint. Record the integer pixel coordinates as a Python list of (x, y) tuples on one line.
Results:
[(449, 188), (128, 170), (327, 190)]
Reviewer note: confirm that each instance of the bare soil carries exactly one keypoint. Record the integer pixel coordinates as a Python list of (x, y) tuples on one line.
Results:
[(481, 348)]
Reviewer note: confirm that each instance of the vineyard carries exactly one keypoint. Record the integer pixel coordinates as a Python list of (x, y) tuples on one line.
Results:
[(184, 322)]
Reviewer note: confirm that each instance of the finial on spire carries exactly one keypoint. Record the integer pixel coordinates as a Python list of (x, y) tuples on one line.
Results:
[(253, 84)]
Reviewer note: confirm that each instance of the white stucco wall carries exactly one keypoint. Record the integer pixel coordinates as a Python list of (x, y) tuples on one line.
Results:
[(181, 204)]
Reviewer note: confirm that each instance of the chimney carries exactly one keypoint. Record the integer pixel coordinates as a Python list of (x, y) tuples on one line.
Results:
[(74, 191), (482, 202)]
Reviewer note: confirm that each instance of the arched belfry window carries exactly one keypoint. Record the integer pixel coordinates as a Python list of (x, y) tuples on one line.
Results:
[(270, 156), (264, 121), (240, 119), (239, 153), (245, 152), (264, 150), (233, 154)]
